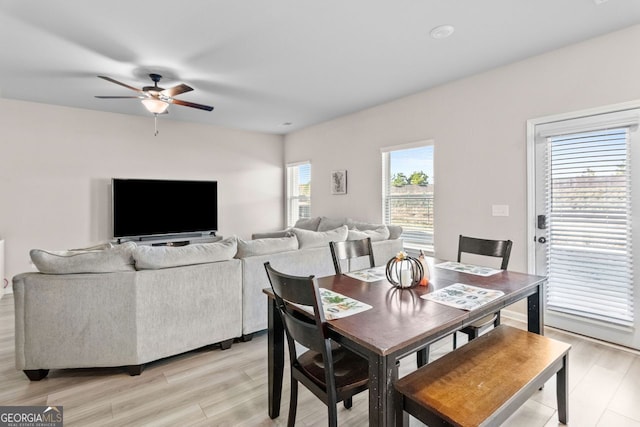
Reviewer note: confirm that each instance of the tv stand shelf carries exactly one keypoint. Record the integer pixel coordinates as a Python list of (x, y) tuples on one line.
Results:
[(172, 240)]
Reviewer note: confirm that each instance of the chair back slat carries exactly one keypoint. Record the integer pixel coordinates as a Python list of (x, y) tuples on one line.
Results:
[(302, 331), (485, 247), (351, 249)]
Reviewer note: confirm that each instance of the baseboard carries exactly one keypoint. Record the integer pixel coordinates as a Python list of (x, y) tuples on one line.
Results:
[(514, 315)]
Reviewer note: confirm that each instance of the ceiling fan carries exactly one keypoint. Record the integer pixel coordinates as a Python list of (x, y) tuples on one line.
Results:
[(157, 99)]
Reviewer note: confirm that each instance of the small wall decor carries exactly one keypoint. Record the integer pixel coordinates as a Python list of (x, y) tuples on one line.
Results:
[(339, 182)]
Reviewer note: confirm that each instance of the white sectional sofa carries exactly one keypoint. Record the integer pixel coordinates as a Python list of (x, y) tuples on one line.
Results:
[(313, 257), (94, 312), (128, 305)]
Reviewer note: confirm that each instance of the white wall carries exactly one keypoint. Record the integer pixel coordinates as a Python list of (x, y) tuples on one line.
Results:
[(479, 128), (56, 164)]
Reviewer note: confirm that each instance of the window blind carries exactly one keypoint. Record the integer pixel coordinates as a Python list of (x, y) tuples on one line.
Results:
[(588, 191)]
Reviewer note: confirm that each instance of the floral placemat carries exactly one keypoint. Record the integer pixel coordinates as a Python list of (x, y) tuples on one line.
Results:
[(468, 268), (465, 297), (337, 306), (369, 274)]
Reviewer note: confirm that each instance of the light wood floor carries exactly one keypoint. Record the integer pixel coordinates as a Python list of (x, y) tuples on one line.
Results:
[(211, 387)]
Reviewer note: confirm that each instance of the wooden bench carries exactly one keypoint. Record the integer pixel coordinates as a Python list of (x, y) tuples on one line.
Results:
[(484, 382)]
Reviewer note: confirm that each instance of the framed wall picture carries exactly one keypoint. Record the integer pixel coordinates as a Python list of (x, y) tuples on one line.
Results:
[(339, 182)]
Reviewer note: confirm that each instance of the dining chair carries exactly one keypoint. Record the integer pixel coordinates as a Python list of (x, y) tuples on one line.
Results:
[(490, 248), (330, 371), (486, 248), (349, 250)]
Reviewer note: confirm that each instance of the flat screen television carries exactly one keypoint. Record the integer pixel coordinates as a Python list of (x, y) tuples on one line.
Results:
[(153, 207)]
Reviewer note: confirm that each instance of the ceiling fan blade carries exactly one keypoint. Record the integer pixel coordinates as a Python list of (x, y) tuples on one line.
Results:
[(120, 97), (109, 79), (190, 104), (177, 90)]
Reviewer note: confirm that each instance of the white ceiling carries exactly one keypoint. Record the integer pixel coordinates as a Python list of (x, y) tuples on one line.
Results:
[(263, 63)]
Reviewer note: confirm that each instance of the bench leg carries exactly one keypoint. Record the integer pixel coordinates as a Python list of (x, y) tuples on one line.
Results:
[(562, 390)]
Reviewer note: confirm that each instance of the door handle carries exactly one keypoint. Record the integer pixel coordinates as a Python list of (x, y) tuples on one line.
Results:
[(542, 239)]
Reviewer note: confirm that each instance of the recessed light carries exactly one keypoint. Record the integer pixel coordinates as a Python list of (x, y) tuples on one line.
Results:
[(442, 31)]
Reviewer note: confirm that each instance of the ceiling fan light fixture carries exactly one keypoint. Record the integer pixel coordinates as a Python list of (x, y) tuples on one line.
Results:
[(442, 31), (155, 106)]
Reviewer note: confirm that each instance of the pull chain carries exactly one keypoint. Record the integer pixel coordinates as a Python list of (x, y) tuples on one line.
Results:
[(155, 120)]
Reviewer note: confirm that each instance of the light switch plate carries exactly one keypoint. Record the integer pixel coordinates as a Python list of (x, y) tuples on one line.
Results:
[(500, 210)]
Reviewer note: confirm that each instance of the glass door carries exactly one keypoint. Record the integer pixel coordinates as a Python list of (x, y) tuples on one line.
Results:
[(587, 170)]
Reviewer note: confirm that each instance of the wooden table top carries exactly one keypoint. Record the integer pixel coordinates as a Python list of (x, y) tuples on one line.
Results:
[(399, 317)]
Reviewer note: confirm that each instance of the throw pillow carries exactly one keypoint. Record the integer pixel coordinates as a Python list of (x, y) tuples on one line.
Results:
[(315, 239), (157, 257), (266, 246), (327, 224), (377, 235), (308, 223), (395, 231), (360, 225), (97, 247), (108, 260)]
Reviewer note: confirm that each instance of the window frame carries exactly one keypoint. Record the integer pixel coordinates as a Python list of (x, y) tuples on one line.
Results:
[(413, 239), (291, 192)]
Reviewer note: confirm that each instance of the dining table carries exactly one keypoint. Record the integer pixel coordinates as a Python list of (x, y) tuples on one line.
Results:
[(399, 323)]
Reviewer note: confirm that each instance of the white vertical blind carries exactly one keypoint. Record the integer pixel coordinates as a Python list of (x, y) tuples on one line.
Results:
[(590, 269), (298, 192)]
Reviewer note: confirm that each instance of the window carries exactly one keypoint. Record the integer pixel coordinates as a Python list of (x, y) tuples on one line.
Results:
[(298, 192), (407, 193)]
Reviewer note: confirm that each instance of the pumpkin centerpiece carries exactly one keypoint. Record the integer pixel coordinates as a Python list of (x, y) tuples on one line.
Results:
[(404, 271)]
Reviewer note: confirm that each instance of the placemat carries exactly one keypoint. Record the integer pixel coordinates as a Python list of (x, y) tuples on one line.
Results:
[(468, 268), (369, 274), (465, 297), (337, 306)]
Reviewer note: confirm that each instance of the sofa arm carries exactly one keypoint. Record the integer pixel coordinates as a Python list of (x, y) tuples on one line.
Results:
[(74, 320)]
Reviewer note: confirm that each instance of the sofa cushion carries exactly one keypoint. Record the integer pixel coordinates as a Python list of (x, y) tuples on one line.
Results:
[(156, 257), (314, 239), (272, 234), (266, 246), (107, 260), (327, 224), (308, 223), (377, 235), (395, 231)]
